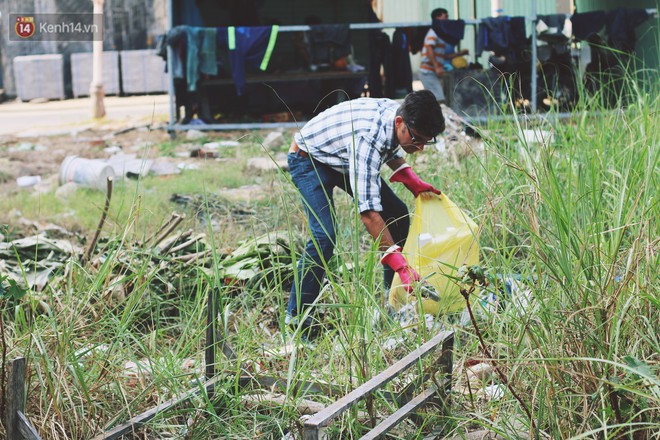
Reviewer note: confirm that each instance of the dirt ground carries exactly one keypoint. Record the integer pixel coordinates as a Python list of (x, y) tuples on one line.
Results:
[(40, 150), (35, 137), (43, 155)]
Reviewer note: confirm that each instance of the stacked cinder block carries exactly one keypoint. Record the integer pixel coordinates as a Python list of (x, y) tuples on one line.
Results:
[(142, 71), (81, 73), (39, 77)]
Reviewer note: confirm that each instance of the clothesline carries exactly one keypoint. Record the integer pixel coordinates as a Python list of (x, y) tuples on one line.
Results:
[(533, 18), (393, 25)]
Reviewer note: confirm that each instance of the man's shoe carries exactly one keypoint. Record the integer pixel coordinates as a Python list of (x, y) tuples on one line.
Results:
[(310, 329)]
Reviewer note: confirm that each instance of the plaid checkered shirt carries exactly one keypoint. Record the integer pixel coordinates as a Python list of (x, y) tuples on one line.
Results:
[(355, 138)]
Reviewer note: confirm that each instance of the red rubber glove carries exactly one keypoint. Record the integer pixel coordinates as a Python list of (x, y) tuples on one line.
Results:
[(407, 176), (395, 259)]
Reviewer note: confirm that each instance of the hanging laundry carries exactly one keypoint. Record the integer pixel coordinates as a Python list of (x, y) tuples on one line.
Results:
[(416, 36), (505, 36), (451, 31), (501, 35), (401, 68), (620, 26), (195, 52), (248, 47), (554, 28), (586, 24), (380, 54), (554, 34), (208, 58), (177, 39), (329, 42)]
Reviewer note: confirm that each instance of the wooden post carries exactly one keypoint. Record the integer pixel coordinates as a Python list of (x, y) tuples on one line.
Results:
[(96, 92), (211, 333), (445, 366), (15, 399)]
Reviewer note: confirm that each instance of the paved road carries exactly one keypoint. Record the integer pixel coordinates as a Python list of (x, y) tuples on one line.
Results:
[(24, 118)]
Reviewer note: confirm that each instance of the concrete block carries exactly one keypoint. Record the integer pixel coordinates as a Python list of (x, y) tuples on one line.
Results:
[(81, 73), (142, 71), (39, 77)]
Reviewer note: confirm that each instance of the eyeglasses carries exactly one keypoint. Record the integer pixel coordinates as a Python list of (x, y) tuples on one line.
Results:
[(418, 142)]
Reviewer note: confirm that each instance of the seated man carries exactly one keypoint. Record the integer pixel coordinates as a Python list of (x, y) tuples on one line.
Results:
[(436, 58)]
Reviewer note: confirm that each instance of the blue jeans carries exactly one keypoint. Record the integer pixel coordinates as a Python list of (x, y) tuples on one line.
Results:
[(315, 182)]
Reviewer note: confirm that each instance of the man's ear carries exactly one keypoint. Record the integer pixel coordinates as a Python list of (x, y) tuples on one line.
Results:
[(398, 120)]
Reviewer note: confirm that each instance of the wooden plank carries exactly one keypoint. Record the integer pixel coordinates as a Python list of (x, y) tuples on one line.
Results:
[(26, 428), (445, 362), (302, 387), (143, 418), (211, 335), (386, 425), (322, 418), (312, 432), (15, 398), (445, 365), (270, 400)]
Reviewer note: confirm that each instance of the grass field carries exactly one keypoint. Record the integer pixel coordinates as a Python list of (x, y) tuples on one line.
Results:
[(575, 217)]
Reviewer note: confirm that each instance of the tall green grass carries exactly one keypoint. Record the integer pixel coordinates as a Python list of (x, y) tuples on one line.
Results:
[(575, 218), (578, 217)]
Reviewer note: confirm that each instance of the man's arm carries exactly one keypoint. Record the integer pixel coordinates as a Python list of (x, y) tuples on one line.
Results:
[(392, 253), (451, 56), (439, 69), (395, 164), (375, 224)]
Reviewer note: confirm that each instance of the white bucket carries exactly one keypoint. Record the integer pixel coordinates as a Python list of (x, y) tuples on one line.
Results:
[(90, 173)]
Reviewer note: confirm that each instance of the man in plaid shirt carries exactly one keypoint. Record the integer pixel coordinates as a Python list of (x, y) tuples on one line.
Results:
[(345, 147)]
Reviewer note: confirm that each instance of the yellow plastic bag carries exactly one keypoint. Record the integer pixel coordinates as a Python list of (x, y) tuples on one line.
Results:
[(441, 239)]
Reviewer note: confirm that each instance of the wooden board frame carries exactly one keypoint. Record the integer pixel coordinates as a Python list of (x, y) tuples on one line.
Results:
[(314, 426)]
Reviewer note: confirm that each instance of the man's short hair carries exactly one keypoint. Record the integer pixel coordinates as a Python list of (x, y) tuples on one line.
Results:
[(438, 12), (421, 111)]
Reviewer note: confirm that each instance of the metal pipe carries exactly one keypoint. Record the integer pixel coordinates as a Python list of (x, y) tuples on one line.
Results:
[(170, 57), (534, 18), (475, 29), (362, 26), (474, 120), (241, 126)]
